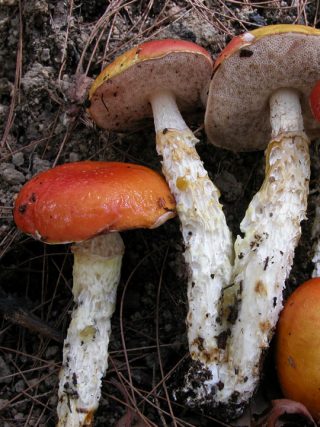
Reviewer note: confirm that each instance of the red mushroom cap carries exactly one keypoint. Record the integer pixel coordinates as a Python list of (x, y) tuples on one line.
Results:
[(120, 95), (78, 201), (315, 101)]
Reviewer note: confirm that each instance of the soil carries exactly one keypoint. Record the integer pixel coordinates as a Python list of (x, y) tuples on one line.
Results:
[(48, 49)]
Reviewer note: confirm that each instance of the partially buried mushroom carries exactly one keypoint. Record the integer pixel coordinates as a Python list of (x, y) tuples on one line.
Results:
[(89, 203), (159, 79), (259, 90)]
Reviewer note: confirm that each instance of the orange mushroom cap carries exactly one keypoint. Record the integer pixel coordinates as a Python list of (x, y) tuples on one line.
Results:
[(78, 201), (298, 346), (119, 97)]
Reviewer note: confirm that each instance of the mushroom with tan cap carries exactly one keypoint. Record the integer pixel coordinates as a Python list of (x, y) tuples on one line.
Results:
[(89, 203), (259, 90), (160, 78)]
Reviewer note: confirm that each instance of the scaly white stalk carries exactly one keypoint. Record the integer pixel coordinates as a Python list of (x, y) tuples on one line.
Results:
[(263, 258), (207, 239), (264, 255), (96, 274)]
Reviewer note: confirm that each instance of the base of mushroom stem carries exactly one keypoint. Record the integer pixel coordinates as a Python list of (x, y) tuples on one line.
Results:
[(195, 393)]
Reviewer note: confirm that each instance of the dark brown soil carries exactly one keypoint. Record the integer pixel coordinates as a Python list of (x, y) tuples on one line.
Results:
[(45, 47)]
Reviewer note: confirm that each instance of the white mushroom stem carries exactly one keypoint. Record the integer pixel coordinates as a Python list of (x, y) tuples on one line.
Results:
[(207, 239), (264, 256), (96, 275)]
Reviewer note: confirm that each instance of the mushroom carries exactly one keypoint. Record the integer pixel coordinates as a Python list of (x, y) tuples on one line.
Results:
[(259, 89), (297, 349), (84, 202), (160, 78)]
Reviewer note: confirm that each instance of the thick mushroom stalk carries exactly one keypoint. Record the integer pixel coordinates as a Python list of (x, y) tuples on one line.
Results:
[(263, 257), (271, 230), (96, 274), (207, 239)]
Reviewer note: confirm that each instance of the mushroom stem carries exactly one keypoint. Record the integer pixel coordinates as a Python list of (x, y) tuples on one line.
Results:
[(207, 238), (285, 112), (263, 259), (166, 114), (264, 256), (96, 274)]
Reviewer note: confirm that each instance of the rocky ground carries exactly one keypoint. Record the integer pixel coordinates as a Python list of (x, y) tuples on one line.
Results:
[(47, 49)]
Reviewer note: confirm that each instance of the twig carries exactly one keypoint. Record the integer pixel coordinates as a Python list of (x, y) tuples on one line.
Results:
[(12, 311)]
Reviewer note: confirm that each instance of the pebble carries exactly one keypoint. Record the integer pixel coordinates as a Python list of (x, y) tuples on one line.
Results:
[(19, 386), (19, 416), (52, 351), (9, 174), (18, 159), (74, 157), (45, 54), (39, 165)]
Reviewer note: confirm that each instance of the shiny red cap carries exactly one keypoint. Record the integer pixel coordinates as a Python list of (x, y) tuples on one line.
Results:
[(77, 201)]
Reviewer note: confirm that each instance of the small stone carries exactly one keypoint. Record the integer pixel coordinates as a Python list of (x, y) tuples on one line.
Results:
[(18, 159), (33, 382), (19, 416), (19, 386), (53, 400), (45, 54), (5, 86), (52, 351), (3, 111), (51, 381), (9, 174), (3, 403), (74, 157), (39, 165)]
